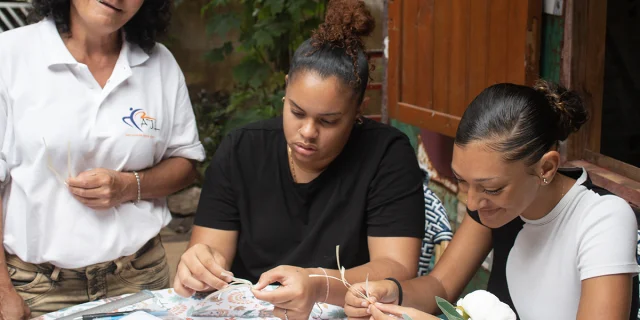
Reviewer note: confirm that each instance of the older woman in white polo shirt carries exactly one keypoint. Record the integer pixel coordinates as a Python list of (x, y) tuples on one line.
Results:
[(96, 128)]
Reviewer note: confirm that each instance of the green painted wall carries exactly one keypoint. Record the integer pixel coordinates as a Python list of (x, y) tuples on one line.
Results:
[(411, 131), (551, 47)]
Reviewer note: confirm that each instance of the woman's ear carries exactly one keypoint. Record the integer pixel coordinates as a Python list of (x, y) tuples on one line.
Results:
[(548, 166)]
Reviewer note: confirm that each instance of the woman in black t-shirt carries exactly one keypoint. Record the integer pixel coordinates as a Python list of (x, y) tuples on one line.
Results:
[(281, 194)]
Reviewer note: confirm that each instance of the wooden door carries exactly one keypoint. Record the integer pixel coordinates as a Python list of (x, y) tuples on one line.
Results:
[(442, 53)]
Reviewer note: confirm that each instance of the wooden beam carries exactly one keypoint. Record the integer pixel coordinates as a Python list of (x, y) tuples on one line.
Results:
[(374, 86), (533, 42), (384, 113), (619, 185), (613, 165), (421, 117), (374, 53), (583, 68), (394, 23)]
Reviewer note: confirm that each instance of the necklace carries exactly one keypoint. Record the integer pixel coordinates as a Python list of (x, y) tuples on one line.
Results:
[(293, 169), (563, 190)]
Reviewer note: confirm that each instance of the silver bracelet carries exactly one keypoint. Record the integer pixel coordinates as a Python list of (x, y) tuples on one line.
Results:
[(137, 180)]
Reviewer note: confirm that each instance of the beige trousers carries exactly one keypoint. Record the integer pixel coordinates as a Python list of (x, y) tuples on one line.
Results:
[(46, 288)]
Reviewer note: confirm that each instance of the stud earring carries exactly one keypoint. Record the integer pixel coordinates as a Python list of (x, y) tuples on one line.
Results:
[(544, 180), (282, 99)]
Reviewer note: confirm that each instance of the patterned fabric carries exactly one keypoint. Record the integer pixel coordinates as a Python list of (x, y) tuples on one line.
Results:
[(236, 304), (638, 252), (436, 229)]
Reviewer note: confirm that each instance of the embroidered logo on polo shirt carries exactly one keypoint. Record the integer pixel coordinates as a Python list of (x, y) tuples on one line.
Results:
[(140, 120)]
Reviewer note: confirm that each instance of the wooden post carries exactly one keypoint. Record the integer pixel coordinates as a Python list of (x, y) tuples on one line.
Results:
[(383, 111), (583, 68)]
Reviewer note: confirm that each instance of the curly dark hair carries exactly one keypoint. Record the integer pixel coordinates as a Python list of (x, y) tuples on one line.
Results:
[(144, 28), (336, 47), (344, 25)]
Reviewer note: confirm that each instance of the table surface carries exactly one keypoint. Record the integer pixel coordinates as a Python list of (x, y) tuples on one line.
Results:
[(239, 303)]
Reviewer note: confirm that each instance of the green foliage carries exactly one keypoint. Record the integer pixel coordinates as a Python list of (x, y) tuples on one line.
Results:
[(448, 309), (266, 34), (212, 112)]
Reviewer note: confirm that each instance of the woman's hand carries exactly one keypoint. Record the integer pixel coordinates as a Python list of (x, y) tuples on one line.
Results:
[(102, 189), (356, 306), (390, 311), (294, 299), (12, 306), (201, 269)]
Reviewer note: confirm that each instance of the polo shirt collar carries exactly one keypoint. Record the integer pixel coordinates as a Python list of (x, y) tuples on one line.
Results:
[(57, 51), (133, 54)]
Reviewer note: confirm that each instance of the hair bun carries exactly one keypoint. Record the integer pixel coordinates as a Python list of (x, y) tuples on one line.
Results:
[(345, 23), (568, 105)]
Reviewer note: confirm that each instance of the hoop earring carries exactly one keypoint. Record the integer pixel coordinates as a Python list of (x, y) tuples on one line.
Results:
[(359, 120)]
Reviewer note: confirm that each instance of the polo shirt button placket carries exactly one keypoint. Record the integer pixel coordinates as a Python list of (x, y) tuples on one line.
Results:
[(86, 76)]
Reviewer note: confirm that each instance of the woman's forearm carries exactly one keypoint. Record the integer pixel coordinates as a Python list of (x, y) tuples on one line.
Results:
[(5, 280), (374, 270), (167, 177), (420, 293)]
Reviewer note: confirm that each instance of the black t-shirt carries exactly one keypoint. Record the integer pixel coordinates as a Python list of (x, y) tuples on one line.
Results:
[(373, 188), (504, 238)]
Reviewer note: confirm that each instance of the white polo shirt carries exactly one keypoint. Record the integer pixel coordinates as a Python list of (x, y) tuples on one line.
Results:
[(142, 116)]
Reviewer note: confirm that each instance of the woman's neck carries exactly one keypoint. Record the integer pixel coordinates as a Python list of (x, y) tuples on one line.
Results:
[(87, 45), (548, 197), (300, 173), (306, 175)]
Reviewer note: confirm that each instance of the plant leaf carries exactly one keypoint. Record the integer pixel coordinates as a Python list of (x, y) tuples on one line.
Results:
[(251, 72), (218, 54), (263, 38), (276, 5), (211, 4), (222, 23), (244, 71), (448, 309), (242, 118), (278, 28)]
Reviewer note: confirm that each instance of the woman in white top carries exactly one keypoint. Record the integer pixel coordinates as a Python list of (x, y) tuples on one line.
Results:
[(563, 248), (96, 129)]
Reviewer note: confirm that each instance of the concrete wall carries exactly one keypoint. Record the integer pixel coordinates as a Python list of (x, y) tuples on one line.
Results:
[(189, 42)]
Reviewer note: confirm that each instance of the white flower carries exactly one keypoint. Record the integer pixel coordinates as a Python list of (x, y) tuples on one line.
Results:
[(482, 305)]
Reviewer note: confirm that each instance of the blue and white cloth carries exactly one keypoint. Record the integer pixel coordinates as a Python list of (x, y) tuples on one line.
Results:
[(436, 228)]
